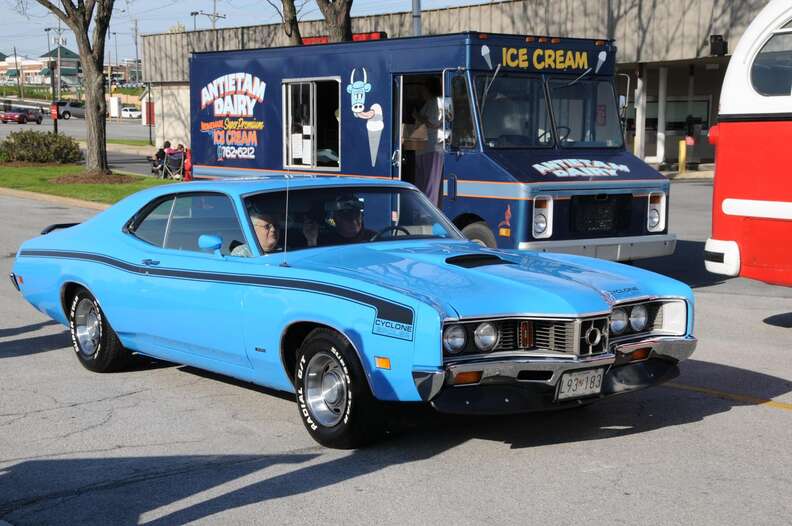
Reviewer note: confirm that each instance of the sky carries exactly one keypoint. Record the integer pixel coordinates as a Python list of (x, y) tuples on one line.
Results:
[(26, 31)]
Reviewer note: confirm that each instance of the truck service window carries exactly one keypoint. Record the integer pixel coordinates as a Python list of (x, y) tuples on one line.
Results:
[(311, 127), (513, 111), (585, 114)]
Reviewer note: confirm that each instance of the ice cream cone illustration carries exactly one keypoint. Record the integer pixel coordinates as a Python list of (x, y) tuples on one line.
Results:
[(601, 58), (374, 127), (485, 52)]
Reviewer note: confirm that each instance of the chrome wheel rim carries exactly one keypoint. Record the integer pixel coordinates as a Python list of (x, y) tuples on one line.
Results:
[(326, 389), (87, 327)]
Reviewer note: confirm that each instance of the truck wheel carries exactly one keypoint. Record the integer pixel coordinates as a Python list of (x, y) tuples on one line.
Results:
[(38, 121), (333, 398), (95, 343), (480, 233), (66, 115)]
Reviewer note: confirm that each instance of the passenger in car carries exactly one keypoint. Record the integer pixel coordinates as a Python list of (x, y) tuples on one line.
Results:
[(347, 224), (266, 229)]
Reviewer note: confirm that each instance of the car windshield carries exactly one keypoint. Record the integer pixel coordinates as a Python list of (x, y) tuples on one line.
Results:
[(343, 215), (585, 113), (513, 111)]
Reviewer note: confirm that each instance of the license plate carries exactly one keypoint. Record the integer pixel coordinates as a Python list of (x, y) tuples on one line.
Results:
[(579, 384)]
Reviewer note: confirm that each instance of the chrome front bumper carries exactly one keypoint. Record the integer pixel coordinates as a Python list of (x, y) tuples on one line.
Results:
[(612, 248), (550, 368)]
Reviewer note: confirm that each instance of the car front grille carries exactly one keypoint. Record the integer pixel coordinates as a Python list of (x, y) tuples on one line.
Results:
[(548, 335)]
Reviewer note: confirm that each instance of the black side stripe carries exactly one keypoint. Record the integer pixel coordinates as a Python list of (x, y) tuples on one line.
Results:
[(386, 310)]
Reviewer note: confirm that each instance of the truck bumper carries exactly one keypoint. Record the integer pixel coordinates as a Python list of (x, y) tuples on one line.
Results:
[(722, 257), (530, 383), (612, 248)]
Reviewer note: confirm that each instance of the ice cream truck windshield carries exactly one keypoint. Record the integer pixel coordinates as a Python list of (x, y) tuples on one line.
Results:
[(515, 112)]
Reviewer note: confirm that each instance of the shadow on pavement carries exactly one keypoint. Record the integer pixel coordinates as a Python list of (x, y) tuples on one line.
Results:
[(122, 490), (35, 345), (783, 320), (686, 265), (13, 331)]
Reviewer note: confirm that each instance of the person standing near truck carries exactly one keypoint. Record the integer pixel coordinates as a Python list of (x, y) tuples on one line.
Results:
[(429, 160)]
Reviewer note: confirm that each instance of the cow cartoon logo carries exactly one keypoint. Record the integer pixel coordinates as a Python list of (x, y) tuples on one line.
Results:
[(373, 116)]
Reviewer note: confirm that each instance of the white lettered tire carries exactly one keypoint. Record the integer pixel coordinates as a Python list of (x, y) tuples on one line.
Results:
[(333, 398), (95, 343)]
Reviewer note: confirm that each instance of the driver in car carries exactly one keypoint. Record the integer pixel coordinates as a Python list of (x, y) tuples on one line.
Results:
[(348, 224)]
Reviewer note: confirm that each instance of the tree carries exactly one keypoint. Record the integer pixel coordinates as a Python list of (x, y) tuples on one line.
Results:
[(289, 19), (337, 19), (89, 21), (178, 27)]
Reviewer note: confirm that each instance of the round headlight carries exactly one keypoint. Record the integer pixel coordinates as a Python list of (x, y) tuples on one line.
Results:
[(654, 218), (540, 223), (486, 336), (638, 318), (454, 339), (618, 322)]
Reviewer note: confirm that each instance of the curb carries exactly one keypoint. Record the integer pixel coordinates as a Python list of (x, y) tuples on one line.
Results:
[(70, 201), (124, 148)]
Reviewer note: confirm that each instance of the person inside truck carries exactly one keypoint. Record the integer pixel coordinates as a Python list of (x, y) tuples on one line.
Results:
[(429, 160)]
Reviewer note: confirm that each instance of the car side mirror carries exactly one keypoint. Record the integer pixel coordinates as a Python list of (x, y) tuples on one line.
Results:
[(210, 242)]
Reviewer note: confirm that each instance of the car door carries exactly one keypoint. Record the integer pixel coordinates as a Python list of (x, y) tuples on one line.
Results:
[(194, 308)]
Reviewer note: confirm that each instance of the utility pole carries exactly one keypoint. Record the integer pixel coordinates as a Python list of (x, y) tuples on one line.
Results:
[(115, 36), (60, 32), (214, 14), (19, 75), (416, 17), (51, 66), (137, 60)]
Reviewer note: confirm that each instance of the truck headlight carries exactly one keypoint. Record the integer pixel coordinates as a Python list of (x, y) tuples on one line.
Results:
[(638, 318), (655, 213), (618, 322), (454, 339), (486, 336), (540, 223), (654, 218), (542, 217)]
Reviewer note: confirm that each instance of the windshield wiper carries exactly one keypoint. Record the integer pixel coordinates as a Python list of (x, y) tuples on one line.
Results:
[(487, 88), (572, 83)]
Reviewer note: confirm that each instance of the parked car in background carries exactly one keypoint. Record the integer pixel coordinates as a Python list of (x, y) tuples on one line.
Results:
[(351, 293), (69, 108), (21, 116), (130, 112)]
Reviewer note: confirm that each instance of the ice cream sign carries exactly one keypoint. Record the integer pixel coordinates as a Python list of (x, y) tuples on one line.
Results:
[(231, 100), (545, 58)]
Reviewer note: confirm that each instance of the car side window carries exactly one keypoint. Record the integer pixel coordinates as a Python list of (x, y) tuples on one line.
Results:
[(771, 74), (197, 214), (151, 228)]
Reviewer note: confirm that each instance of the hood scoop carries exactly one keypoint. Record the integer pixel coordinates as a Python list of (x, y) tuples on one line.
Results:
[(476, 260)]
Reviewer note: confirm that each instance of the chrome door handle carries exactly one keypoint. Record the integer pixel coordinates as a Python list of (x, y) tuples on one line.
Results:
[(150, 262)]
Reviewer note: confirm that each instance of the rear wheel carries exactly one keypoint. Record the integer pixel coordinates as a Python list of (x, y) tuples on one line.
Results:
[(66, 115), (480, 233), (333, 397), (95, 343)]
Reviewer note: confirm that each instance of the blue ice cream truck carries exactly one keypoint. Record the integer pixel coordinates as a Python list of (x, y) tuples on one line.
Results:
[(518, 139)]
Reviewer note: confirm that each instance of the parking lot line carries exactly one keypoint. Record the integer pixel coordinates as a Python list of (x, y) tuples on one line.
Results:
[(732, 396)]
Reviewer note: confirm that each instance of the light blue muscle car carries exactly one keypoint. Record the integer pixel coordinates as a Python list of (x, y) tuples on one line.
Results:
[(349, 293)]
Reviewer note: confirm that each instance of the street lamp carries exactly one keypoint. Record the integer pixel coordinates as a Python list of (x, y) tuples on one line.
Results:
[(194, 14)]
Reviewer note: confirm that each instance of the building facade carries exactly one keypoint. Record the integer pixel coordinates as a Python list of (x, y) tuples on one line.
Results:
[(671, 56)]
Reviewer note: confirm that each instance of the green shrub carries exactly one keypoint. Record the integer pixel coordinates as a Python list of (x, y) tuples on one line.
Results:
[(39, 147)]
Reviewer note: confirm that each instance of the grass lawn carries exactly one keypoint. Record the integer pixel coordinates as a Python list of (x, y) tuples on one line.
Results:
[(130, 142), (38, 178)]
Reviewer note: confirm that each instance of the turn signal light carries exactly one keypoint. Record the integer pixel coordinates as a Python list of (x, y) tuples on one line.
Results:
[(640, 354), (599, 42), (381, 362), (466, 377), (483, 36)]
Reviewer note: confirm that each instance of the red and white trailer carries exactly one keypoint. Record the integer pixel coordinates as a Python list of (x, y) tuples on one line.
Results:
[(752, 197)]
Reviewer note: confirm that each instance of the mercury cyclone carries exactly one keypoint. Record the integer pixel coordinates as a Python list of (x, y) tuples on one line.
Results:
[(351, 293)]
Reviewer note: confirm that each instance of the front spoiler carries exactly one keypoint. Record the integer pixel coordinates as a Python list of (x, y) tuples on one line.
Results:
[(500, 391), (612, 248)]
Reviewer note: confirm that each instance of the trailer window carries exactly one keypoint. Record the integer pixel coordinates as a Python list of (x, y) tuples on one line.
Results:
[(513, 111), (312, 132), (771, 72), (585, 114)]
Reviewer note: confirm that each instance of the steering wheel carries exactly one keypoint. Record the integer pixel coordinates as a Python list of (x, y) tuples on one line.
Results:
[(392, 228), (563, 136)]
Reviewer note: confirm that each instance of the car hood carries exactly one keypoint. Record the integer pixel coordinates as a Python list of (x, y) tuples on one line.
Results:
[(451, 275)]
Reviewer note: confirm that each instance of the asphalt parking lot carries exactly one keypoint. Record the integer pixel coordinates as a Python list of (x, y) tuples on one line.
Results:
[(164, 444), (75, 127)]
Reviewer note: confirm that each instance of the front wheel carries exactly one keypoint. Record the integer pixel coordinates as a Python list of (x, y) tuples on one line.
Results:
[(481, 234), (333, 397), (66, 115), (95, 343)]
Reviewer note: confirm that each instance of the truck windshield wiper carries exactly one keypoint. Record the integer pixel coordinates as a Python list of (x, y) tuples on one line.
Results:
[(487, 88), (572, 83)]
